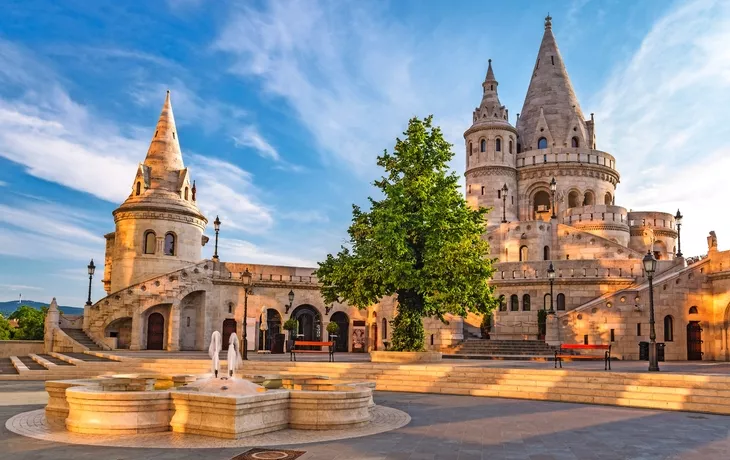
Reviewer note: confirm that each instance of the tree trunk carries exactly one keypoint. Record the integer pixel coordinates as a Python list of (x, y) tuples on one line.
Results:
[(408, 323)]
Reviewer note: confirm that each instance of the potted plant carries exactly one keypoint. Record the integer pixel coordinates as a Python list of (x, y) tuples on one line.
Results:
[(332, 330), (291, 325)]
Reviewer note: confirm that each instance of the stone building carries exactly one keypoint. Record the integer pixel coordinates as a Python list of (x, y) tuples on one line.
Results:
[(553, 199)]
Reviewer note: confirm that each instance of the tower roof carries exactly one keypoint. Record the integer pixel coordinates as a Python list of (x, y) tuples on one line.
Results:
[(164, 156), (550, 99), (490, 109), (162, 181)]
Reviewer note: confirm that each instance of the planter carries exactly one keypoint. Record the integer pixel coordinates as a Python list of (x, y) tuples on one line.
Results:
[(405, 356)]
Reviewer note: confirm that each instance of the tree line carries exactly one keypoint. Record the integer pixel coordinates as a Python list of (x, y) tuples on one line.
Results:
[(30, 324)]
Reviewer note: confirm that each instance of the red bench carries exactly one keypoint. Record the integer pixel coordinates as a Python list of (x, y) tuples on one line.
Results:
[(605, 356), (309, 343)]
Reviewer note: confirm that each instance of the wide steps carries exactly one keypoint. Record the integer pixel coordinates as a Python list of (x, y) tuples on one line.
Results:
[(484, 347), (80, 336), (6, 367)]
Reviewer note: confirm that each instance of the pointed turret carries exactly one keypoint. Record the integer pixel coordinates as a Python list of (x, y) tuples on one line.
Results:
[(490, 109), (551, 100), (164, 158)]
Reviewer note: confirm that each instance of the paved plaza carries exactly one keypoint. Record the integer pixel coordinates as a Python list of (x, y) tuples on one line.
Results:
[(443, 427)]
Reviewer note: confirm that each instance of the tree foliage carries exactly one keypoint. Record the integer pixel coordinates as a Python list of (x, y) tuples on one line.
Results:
[(30, 323), (421, 242), (5, 331)]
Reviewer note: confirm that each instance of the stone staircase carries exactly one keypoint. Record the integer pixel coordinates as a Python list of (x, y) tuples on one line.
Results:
[(501, 349), (80, 336)]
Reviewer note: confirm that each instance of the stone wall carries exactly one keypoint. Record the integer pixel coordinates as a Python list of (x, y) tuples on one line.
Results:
[(20, 347)]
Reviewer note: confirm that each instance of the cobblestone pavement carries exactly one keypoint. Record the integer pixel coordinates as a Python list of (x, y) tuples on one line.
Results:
[(445, 427)]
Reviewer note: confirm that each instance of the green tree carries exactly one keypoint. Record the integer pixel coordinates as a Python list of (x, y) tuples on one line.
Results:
[(421, 242), (30, 323), (4, 328)]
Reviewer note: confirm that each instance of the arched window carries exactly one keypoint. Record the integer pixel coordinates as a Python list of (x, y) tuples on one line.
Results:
[(186, 194), (561, 301), (514, 303), (574, 142), (483, 146), (608, 199), (470, 148), (502, 304), (693, 310), (573, 199), (546, 302), (498, 145), (589, 199), (150, 242), (668, 328), (385, 329), (170, 244), (546, 253), (542, 143), (519, 148), (510, 147), (523, 253), (526, 302), (139, 188)]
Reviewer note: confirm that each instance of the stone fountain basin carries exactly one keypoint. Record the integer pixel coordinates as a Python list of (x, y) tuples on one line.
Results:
[(129, 404)]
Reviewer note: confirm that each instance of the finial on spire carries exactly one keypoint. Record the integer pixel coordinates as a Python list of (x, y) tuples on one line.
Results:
[(548, 22)]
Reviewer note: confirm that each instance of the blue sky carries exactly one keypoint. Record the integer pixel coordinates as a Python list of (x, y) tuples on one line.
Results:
[(283, 106)]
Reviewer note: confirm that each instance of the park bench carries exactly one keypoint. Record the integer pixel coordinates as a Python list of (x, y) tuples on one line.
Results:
[(560, 353), (308, 343)]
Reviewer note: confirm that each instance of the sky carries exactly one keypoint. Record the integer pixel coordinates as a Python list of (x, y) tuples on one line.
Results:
[(282, 107)]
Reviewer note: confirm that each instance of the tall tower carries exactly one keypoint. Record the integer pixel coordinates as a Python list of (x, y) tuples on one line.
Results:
[(159, 227), (491, 149)]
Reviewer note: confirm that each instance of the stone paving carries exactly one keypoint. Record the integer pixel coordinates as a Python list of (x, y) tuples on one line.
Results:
[(445, 427)]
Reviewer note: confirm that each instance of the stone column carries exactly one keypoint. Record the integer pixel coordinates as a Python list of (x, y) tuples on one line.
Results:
[(137, 334), (551, 332), (173, 335), (50, 325)]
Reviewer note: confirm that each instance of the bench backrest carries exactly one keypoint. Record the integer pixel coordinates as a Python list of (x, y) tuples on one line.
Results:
[(582, 346), (305, 343)]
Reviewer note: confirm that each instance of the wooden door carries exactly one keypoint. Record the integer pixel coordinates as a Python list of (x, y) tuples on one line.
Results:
[(694, 341), (375, 337), (229, 327), (155, 331)]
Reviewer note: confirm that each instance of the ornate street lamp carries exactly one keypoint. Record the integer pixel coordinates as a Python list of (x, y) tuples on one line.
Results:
[(217, 226), (504, 203), (650, 267), (553, 188), (91, 267), (246, 278), (551, 277), (291, 301), (678, 220)]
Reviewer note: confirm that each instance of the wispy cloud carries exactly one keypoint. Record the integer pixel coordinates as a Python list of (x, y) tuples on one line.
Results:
[(235, 249), (250, 137), (666, 110), (20, 287), (352, 75)]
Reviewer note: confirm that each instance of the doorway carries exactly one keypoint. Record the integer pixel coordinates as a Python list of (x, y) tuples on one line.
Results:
[(229, 327), (155, 331), (694, 341), (343, 334), (268, 338), (310, 323)]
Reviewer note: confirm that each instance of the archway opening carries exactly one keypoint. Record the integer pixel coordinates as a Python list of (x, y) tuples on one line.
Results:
[(343, 334), (573, 199), (229, 327), (309, 323), (589, 199), (271, 338), (121, 329), (541, 205), (608, 199), (523, 253)]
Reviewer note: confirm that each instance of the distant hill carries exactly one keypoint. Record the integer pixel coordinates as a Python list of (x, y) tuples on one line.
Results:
[(6, 308)]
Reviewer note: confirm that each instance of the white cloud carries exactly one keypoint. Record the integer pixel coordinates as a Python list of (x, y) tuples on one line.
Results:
[(666, 111), (352, 76), (20, 287), (3, 184), (250, 137), (240, 250)]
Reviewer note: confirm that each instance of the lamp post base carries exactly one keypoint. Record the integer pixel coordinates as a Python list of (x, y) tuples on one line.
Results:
[(653, 362)]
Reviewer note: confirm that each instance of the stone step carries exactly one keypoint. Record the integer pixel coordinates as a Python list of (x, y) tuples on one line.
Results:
[(80, 336), (31, 364), (54, 360), (6, 367)]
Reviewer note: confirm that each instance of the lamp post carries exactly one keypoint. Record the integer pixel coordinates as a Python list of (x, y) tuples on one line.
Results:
[(551, 277), (504, 203), (217, 226), (650, 267), (246, 278), (553, 188), (91, 267), (291, 301), (678, 220)]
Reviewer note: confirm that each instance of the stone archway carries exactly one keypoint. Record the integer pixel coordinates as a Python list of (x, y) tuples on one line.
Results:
[(541, 207), (309, 323), (121, 329), (268, 338), (343, 334)]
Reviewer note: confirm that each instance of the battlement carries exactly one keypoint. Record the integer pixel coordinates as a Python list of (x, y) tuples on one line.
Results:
[(586, 216), (566, 155)]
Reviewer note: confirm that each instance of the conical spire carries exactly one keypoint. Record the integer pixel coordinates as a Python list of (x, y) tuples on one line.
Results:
[(164, 155), (490, 109), (550, 93), (490, 73)]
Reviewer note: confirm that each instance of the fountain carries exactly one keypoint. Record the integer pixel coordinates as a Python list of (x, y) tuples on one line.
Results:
[(230, 407)]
